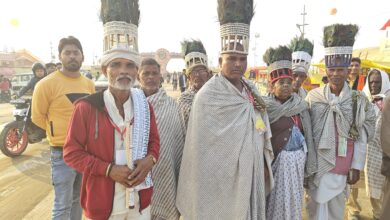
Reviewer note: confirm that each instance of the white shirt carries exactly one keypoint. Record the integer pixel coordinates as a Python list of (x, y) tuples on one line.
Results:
[(119, 204)]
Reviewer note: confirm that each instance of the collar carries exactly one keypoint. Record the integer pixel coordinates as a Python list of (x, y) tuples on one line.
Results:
[(113, 111)]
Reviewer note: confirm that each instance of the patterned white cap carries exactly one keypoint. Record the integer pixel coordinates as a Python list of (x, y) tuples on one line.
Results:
[(300, 61), (234, 38)]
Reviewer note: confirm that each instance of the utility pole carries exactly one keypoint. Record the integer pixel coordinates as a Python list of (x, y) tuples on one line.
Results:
[(303, 23)]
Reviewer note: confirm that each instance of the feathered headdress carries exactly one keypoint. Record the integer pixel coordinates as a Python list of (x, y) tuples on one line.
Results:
[(194, 54), (235, 17), (120, 10), (278, 61), (302, 52), (338, 42), (120, 19)]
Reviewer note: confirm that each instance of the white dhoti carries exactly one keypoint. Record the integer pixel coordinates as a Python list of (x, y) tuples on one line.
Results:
[(327, 202), (121, 212)]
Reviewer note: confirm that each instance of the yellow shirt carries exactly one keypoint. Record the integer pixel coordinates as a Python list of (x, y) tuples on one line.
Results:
[(52, 103)]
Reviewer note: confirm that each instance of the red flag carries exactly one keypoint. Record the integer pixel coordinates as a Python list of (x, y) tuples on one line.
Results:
[(386, 25)]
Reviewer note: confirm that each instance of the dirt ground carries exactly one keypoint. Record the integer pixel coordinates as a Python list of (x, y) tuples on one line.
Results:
[(25, 181)]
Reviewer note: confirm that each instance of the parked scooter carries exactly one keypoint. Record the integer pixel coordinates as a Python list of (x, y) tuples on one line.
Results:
[(17, 134)]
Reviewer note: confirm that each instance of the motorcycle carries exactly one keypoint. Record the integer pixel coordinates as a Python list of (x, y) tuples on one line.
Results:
[(5, 96), (17, 134)]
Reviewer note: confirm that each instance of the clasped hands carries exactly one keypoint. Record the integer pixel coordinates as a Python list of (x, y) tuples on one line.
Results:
[(131, 178)]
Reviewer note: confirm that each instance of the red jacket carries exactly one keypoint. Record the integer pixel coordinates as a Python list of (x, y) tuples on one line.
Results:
[(89, 148)]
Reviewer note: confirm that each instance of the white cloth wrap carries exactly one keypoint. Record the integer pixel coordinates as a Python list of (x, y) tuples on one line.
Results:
[(222, 170)]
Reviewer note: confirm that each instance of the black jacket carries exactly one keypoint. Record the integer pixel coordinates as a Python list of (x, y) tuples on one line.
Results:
[(30, 85), (183, 81)]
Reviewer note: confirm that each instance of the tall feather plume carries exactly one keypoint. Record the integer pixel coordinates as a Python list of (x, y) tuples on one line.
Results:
[(280, 53), (192, 46), (340, 35), (184, 45), (301, 44), (268, 55), (120, 10), (235, 11)]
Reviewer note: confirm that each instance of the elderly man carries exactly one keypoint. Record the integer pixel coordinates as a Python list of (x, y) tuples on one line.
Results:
[(113, 141), (171, 130), (377, 88), (343, 122), (113, 138), (227, 152), (197, 72)]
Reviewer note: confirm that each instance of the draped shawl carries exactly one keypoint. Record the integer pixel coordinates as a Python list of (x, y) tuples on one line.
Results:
[(166, 171), (374, 179), (185, 102), (293, 106), (222, 171), (302, 93), (323, 109)]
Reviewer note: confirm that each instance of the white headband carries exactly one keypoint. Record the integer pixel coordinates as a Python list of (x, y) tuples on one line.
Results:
[(120, 53)]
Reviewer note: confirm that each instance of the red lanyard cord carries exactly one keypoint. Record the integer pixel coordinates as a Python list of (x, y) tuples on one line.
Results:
[(121, 132)]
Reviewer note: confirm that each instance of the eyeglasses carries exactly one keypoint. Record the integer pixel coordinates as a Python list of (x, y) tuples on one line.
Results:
[(199, 72)]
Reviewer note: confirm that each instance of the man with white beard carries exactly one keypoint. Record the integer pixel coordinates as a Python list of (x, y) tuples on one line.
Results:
[(113, 141)]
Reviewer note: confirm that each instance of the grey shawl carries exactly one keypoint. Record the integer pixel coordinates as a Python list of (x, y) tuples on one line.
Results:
[(302, 93), (294, 106), (166, 171), (185, 102), (323, 109), (222, 171)]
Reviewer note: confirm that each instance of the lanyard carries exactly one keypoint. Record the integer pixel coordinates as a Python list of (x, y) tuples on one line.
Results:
[(121, 132), (249, 95)]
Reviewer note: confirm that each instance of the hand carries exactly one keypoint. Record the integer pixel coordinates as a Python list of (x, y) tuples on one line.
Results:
[(142, 168), (353, 176), (119, 173)]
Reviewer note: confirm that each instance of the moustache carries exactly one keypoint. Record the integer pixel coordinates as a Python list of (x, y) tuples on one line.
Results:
[(124, 77)]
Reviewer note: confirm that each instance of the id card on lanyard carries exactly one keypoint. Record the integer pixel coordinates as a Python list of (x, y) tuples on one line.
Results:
[(342, 147)]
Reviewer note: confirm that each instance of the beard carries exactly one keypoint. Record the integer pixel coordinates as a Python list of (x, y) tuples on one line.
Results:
[(72, 66), (118, 84)]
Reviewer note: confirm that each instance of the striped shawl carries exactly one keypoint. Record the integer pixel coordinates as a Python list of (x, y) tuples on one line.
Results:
[(166, 171), (322, 111), (185, 102)]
